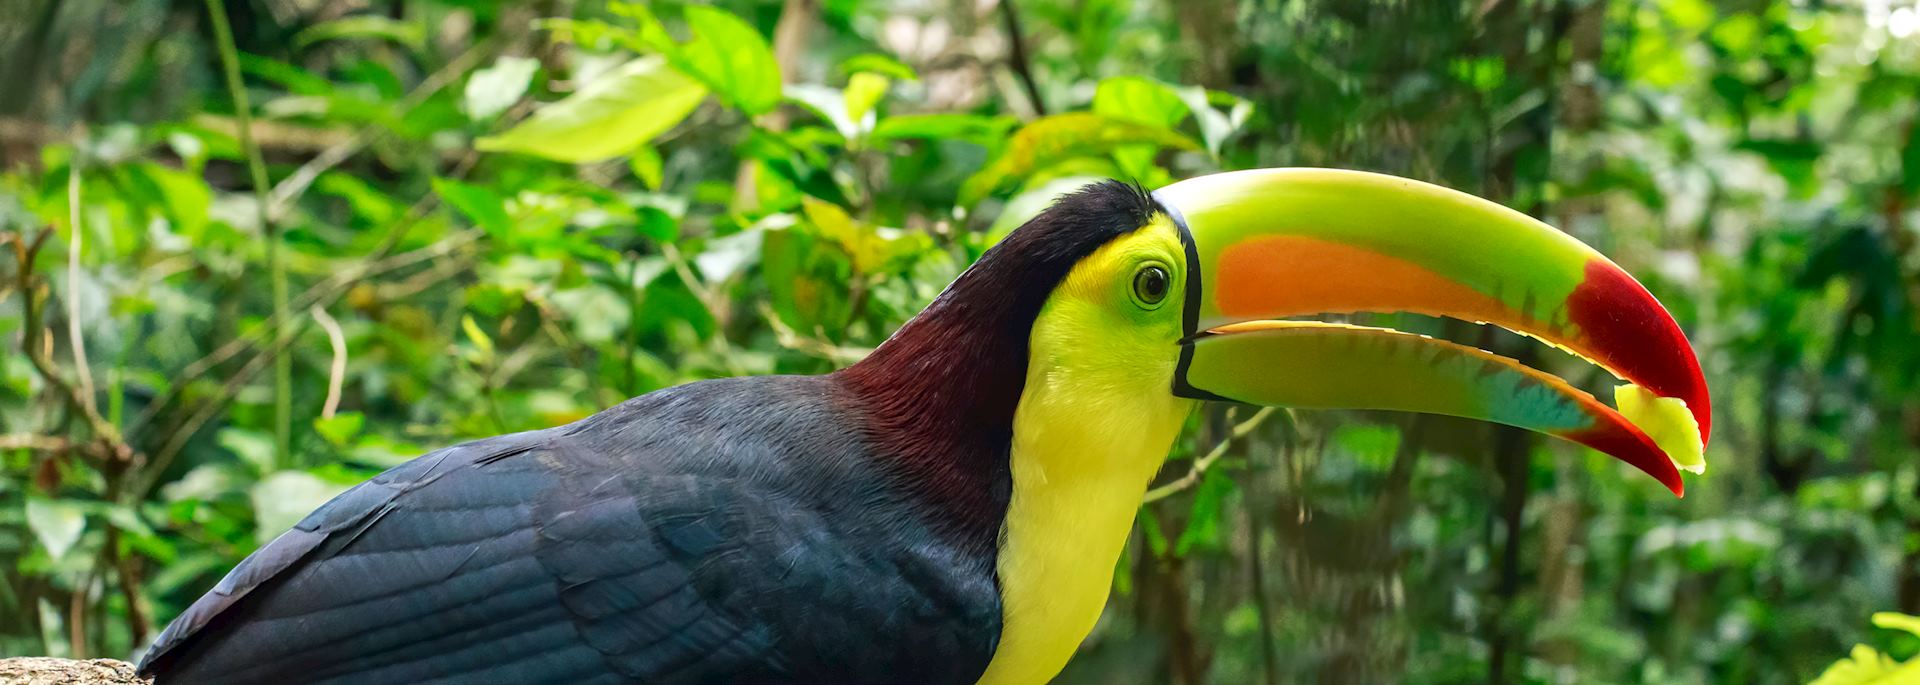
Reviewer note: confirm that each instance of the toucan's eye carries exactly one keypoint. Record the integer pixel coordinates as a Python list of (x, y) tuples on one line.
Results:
[(1150, 285)]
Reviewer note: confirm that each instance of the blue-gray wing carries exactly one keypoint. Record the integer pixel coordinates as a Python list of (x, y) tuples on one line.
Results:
[(513, 561)]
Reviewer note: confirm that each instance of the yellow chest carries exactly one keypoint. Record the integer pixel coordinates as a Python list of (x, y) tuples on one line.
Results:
[(1078, 476)]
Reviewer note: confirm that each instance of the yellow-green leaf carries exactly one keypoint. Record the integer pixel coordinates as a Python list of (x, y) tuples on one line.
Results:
[(864, 91), (1897, 621), (479, 337), (611, 116), (1056, 138), (648, 166)]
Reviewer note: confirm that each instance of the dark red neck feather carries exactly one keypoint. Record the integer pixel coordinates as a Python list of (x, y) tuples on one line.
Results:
[(940, 394)]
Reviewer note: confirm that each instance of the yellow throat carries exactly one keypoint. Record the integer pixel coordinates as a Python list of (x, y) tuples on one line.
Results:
[(1095, 421)]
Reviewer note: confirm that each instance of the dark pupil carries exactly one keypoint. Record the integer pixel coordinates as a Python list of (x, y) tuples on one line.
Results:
[(1151, 284)]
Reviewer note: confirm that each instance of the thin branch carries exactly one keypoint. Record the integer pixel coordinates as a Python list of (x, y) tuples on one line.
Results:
[(1017, 55), (841, 355), (276, 264), (74, 335), (38, 350), (34, 442), (1201, 465), (337, 373)]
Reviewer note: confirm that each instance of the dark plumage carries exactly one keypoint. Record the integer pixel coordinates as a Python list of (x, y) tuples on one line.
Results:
[(839, 528)]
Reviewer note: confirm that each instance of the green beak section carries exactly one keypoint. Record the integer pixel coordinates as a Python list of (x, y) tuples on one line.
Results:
[(1274, 243)]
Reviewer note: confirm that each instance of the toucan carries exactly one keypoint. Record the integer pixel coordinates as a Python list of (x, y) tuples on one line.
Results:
[(950, 508)]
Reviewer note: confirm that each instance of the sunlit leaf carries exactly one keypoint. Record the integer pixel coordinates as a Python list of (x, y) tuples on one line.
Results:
[(341, 429), (1215, 127), (56, 524), (1054, 138), (1868, 666), (282, 499), (647, 166), (877, 63), (478, 337), (609, 117), (491, 90), (864, 91), (732, 58), (827, 103)]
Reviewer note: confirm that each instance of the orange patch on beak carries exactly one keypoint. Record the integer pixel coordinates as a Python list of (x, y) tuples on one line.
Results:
[(1293, 275)]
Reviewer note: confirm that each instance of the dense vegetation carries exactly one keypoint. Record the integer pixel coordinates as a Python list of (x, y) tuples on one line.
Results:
[(241, 270)]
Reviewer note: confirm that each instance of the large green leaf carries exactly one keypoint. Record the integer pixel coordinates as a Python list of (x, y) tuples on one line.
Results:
[(610, 117), (1056, 138), (732, 58)]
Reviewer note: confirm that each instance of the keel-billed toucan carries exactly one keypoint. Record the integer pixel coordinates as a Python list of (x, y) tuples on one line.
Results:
[(950, 509)]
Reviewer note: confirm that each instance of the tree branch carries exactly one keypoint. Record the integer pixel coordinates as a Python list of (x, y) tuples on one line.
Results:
[(1017, 56), (107, 441), (1201, 465)]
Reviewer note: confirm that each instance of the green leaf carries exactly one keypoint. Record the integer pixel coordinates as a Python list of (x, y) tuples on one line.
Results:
[(480, 205), (1139, 100), (732, 59), (341, 429), (864, 91), (1215, 127), (1203, 525), (1052, 139), (1795, 160), (973, 128), (282, 499), (805, 280), (609, 117), (1892, 620), (1865, 666), (57, 524), (877, 63), (252, 447), (647, 166), (492, 90), (478, 337), (413, 35), (827, 103)]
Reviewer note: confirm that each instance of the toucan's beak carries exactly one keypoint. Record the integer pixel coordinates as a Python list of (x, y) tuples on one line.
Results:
[(1267, 244)]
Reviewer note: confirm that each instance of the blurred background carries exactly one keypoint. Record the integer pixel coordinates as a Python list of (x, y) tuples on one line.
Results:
[(254, 251)]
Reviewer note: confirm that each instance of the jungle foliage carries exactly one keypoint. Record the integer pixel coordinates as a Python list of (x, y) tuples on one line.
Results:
[(392, 225)]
